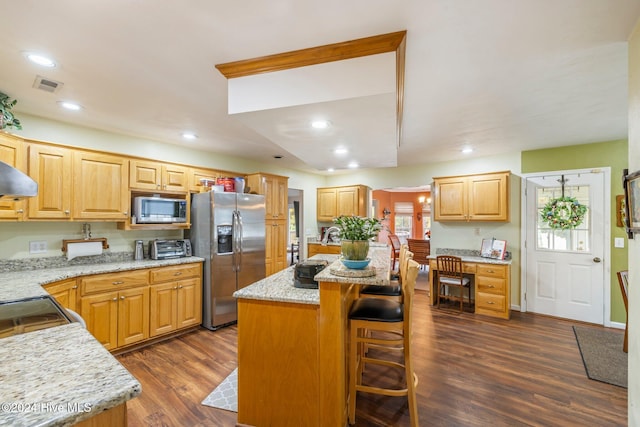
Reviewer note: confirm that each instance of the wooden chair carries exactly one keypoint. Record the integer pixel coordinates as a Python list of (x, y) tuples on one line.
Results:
[(623, 280), (394, 290), (374, 314), (395, 249), (450, 276), (421, 250)]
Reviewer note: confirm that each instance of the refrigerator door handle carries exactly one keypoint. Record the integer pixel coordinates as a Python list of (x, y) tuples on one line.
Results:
[(240, 238), (234, 241)]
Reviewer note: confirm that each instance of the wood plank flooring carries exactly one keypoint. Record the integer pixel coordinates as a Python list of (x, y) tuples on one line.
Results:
[(473, 371)]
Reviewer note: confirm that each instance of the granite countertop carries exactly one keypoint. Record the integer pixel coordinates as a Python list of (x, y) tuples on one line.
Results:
[(469, 255), (279, 286), (61, 375)]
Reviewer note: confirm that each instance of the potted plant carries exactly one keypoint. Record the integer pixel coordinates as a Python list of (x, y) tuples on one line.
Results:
[(355, 233), (7, 119)]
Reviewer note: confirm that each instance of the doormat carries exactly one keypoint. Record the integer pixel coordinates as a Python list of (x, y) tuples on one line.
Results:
[(225, 396), (602, 355)]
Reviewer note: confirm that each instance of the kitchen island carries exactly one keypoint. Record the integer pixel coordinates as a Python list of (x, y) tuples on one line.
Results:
[(62, 375), (292, 345)]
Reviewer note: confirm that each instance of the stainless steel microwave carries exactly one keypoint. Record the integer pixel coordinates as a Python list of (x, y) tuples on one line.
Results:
[(159, 210)]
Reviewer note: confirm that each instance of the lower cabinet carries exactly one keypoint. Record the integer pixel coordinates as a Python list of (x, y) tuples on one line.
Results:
[(64, 292), (492, 290), (317, 248), (127, 308)]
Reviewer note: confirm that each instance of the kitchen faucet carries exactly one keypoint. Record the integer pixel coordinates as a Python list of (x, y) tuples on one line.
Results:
[(328, 231)]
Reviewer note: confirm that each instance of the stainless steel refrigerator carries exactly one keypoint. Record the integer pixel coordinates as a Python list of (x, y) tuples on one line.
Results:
[(227, 230)]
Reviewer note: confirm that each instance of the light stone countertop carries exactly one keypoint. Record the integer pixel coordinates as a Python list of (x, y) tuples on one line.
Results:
[(477, 259), (279, 286), (61, 375)]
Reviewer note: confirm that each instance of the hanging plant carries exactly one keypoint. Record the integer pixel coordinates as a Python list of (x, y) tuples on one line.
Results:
[(7, 119), (563, 213)]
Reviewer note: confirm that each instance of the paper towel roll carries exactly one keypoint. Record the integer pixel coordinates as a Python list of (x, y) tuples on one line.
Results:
[(83, 249)]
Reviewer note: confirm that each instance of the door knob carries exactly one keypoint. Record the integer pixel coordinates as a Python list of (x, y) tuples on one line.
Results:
[(597, 259)]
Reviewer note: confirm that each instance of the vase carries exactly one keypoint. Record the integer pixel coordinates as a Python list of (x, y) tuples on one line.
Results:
[(356, 250)]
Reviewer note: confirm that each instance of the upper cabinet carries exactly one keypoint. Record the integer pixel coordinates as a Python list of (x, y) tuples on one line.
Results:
[(100, 189), (275, 188), (12, 153), (51, 168), (154, 176), (337, 201), (482, 197)]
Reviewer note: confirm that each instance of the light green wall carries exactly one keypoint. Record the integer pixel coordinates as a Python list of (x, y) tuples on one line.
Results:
[(613, 154)]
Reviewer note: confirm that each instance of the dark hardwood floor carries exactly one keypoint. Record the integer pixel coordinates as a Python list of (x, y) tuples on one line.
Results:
[(473, 371)]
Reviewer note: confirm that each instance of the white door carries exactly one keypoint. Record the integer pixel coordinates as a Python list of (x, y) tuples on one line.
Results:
[(564, 268)]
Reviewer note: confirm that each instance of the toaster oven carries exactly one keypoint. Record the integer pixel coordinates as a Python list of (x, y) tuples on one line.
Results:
[(165, 249)]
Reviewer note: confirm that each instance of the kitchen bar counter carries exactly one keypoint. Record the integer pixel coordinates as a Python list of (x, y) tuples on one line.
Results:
[(292, 353), (62, 375)]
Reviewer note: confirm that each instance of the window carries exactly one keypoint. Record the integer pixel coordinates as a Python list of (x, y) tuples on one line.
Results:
[(575, 240), (403, 224)]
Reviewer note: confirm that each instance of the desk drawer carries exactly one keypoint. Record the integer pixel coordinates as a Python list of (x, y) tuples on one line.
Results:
[(492, 270), (114, 281), (469, 268), (491, 285), (490, 302)]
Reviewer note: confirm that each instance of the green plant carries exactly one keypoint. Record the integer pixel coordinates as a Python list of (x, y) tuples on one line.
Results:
[(357, 228), (7, 119)]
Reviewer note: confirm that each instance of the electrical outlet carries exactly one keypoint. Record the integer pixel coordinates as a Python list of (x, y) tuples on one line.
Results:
[(38, 247)]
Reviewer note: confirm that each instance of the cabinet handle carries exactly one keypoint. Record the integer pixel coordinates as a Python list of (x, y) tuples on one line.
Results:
[(117, 283), (177, 273), (490, 302), (490, 271), (180, 287), (20, 210), (67, 212), (125, 213), (74, 287), (115, 299), (122, 297), (491, 286), (175, 287)]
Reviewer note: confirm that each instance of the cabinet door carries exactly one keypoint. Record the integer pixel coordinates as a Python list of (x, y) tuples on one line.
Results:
[(275, 246), (327, 204), (50, 167), (451, 199), (12, 153), (189, 303), (64, 292), (100, 312), (100, 187), (175, 178), (196, 175), (488, 197), (347, 199), (163, 304), (133, 315), (145, 175)]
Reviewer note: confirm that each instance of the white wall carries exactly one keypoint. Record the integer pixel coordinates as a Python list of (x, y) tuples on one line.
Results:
[(634, 244)]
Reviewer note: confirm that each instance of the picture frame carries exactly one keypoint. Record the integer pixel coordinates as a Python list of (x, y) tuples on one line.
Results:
[(621, 211), (632, 202)]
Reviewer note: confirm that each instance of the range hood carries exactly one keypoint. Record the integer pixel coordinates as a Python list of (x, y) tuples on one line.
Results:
[(15, 184)]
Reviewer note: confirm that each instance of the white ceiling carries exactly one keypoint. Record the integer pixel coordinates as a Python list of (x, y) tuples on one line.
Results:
[(497, 75)]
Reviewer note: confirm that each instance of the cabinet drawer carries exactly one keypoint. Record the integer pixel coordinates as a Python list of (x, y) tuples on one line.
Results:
[(490, 302), (469, 268), (175, 272), (491, 285), (492, 271), (114, 281)]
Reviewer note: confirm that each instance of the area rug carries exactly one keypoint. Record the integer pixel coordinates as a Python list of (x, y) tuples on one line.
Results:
[(602, 355), (225, 396)]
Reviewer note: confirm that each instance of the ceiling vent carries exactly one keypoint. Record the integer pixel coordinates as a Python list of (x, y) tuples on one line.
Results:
[(47, 85)]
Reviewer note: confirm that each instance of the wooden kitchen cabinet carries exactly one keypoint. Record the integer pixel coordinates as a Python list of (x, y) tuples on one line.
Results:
[(483, 197), (115, 307), (64, 292), (51, 168), (275, 189), (176, 298), (492, 290), (154, 176), (100, 189), (317, 248), (275, 246), (12, 153), (337, 201)]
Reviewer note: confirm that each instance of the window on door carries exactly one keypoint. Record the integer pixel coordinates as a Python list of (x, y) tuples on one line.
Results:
[(574, 240)]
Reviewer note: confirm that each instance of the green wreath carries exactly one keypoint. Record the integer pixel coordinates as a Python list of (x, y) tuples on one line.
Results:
[(563, 213)]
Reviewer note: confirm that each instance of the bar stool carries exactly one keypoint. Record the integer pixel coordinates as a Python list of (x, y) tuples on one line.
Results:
[(375, 314), (393, 291)]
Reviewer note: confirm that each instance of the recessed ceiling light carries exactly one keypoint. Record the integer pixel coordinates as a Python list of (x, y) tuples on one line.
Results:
[(330, 170), (353, 165), (189, 135), (40, 60), (70, 105), (320, 124), (341, 150), (467, 150)]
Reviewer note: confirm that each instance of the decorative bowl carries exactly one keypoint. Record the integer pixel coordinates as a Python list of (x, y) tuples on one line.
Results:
[(355, 264)]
